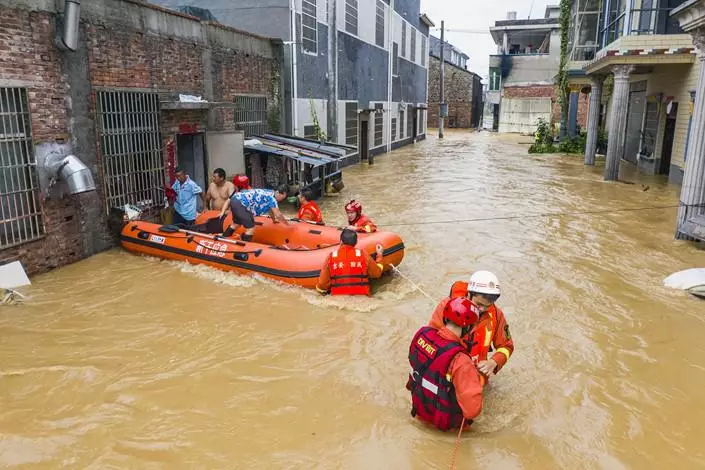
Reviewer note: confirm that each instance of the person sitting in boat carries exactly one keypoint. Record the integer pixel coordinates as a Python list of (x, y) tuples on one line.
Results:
[(246, 205), (446, 387), (242, 182), (357, 220), (308, 209), (219, 191), (347, 271), (187, 194), (492, 328)]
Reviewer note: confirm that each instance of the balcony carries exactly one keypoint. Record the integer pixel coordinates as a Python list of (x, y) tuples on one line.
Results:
[(650, 21)]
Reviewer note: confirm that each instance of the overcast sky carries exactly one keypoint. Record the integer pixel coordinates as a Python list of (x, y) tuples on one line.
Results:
[(477, 15)]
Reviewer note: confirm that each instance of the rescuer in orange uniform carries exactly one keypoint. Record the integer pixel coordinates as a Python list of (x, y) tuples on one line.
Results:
[(491, 330), (445, 386), (308, 209), (347, 271), (357, 220)]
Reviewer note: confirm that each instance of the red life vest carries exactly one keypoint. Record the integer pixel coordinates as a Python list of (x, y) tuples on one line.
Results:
[(348, 272), (311, 212), (433, 397)]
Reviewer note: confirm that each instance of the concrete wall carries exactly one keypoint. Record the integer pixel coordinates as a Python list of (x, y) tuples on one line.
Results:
[(123, 45), (521, 115)]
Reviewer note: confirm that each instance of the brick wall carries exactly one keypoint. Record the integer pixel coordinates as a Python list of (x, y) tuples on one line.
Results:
[(29, 60), (116, 56), (458, 94)]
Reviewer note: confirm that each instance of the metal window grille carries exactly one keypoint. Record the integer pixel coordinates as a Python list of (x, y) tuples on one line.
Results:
[(351, 123), (309, 26), (403, 38), (351, 16), (251, 114), (21, 213), (379, 125), (410, 121), (394, 129), (423, 51), (131, 146), (379, 24), (421, 122), (413, 45), (401, 124)]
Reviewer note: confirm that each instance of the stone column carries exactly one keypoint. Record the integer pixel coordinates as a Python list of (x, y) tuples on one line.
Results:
[(693, 188), (618, 120), (593, 118)]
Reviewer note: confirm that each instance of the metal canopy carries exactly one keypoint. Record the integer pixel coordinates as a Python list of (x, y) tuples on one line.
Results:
[(291, 151)]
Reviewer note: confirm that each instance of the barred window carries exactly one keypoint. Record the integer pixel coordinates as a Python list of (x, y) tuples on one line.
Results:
[(20, 212), (251, 114), (351, 123), (131, 146), (413, 45), (309, 26), (379, 25), (410, 121), (379, 125), (403, 38), (394, 129), (401, 124), (423, 51), (351, 16), (395, 59)]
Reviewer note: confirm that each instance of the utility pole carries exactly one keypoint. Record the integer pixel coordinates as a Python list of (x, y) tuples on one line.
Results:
[(443, 62)]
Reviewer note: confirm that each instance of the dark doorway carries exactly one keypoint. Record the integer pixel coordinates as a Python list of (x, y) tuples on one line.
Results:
[(668, 137), (364, 138), (190, 152), (416, 126), (495, 117)]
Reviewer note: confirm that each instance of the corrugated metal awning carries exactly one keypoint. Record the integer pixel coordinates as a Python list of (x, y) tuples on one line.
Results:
[(291, 151)]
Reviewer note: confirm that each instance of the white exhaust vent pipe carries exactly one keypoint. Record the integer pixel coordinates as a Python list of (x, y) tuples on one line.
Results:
[(69, 168), (72, 14)]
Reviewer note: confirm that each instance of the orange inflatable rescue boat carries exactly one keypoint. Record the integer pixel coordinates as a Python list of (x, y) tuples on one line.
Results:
[(293, 254)]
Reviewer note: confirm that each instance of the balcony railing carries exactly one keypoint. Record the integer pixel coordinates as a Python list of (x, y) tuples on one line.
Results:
[(640, 21)]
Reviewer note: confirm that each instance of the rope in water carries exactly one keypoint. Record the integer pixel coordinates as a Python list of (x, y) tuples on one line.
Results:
[(457, 446), (529, 216), (416, 286)]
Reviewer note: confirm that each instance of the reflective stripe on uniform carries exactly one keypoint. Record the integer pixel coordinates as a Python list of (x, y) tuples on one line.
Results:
[(431, 387), (504, 351)]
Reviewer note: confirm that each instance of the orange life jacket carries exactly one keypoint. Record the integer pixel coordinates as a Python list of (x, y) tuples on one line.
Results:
[(348, 272), (311, 212), (481, 336), (365, 223)]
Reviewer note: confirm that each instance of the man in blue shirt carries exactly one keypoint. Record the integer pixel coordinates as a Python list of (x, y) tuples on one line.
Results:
[(245, 205), (187, 192)]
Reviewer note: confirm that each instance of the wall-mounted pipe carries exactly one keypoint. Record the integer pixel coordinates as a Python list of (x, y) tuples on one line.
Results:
[(72, 14), (69, 168)]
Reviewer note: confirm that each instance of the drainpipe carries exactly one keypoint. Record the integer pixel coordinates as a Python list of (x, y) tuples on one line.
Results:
[(69, 38), (390, 49), (69, 168), (294, 72)]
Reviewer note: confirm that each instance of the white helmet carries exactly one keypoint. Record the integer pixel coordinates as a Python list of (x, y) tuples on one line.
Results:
[(484, 282)]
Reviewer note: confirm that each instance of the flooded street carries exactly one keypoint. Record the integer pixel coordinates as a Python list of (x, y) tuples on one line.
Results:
[(128, 362)]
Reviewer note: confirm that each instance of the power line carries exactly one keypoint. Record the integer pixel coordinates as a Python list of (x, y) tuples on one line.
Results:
[(532, 216)]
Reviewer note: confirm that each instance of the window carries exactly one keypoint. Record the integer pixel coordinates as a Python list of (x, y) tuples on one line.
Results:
[(495, 79), (351, 16), (251, 114), (394, 129), (21, 215), (413, 45), (309, 26), (310, 132), (401, 124), (351, 124), (421, 122), (410, 121), (423, 51), (379, 125), (379, 26), (403, 38), (131, 147), (395, 58)]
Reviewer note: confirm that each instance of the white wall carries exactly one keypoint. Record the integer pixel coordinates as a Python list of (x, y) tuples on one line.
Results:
[(303, 107)]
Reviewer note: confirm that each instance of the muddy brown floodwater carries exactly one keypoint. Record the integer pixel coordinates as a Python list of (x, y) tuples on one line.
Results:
[(128, 362)]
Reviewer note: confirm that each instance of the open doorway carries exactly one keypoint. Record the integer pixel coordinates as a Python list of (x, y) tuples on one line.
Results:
[(668, 137), (190, 149), (364, 146), (495, 117)]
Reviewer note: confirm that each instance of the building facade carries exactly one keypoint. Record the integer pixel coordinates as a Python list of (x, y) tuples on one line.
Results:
[(523, 73), (463, 89), (355, 69), (113, 101)]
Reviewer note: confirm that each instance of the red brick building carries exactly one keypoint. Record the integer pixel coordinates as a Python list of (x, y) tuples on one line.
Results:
[(114, 101)]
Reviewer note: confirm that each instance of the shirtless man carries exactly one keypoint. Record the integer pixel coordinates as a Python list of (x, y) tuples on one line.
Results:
[(219, 191)]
